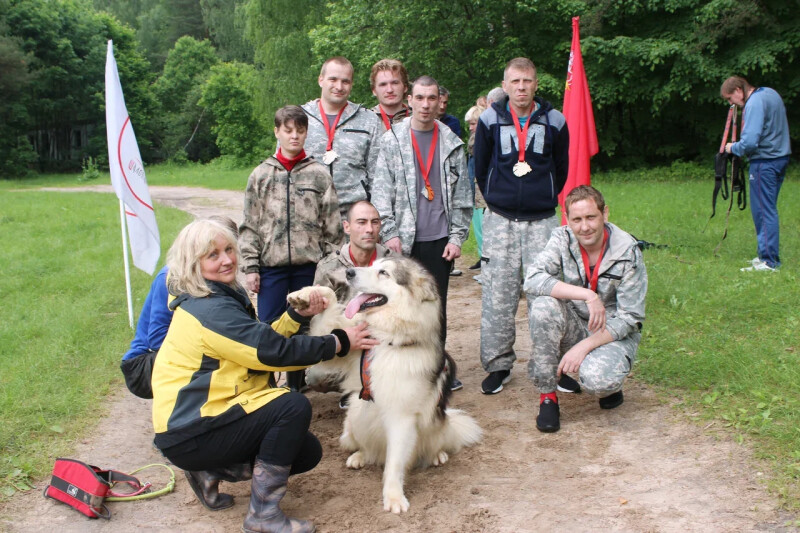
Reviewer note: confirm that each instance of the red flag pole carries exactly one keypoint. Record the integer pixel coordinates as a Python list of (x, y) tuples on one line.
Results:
[(580, 120)]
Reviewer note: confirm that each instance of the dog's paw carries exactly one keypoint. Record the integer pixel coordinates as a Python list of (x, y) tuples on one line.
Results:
[(395, 502), (299, 299), (356, 461), (440, 458)]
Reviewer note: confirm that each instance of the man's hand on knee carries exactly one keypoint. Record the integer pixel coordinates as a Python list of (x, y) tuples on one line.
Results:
[(572, 360)]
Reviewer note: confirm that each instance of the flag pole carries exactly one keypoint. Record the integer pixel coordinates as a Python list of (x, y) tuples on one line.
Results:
[(126, 261)]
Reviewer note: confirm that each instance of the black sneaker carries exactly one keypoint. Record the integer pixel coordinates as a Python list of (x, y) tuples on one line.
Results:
[(549, 415), (567, 384), (456, 384), (494, 381), (476, 266), (344, 401), (610, 402)]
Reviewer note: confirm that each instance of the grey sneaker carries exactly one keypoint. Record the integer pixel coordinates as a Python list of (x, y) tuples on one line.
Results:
[(760, 266)]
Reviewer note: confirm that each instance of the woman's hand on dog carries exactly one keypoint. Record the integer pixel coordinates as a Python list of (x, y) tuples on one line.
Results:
[(359, 337)]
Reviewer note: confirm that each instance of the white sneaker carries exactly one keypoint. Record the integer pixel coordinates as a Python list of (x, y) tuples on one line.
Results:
[(761, 266), (478, 278)]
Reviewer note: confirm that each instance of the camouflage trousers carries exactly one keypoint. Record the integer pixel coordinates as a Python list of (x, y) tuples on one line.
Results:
[(555, 328), (509, 248)]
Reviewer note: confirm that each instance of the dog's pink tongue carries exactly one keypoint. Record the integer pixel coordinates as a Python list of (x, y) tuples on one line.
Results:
[(354, 305)]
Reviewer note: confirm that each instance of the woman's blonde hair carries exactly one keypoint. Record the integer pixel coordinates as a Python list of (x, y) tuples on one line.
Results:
[(193, 243), (474, 113)]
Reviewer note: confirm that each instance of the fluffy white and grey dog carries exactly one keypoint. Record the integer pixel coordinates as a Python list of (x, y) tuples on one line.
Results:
[(405, 422)]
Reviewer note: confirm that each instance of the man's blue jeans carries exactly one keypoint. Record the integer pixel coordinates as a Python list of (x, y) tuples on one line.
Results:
[(766, 178)]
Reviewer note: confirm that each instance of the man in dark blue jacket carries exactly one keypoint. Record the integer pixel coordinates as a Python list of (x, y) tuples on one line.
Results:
[(520, 182)]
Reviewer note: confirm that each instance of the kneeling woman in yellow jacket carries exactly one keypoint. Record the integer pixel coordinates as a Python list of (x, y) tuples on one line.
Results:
[(216, 408)]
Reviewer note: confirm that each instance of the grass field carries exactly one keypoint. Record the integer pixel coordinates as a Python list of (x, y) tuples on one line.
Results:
[(64, 321), (725, 343)]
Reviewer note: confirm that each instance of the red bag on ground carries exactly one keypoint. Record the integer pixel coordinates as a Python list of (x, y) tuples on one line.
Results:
[(84, 487)]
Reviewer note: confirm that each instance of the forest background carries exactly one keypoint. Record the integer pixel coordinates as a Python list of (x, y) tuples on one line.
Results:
[(202, 78)]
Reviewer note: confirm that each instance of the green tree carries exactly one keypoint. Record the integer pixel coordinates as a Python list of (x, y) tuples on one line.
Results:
[(655, 69), (229, 95), (66, 44), (16, 152), (158, 23), (226, 24), (287, 70), (185, 126)]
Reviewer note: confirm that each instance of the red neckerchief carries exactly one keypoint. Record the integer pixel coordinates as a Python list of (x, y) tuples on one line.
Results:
[(426, 169), (290, 163), (330, 129), (593, 273), (522, 133), (371, 259)]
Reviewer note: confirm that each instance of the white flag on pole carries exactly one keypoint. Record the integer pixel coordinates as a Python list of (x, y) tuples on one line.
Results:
[(127, 173)]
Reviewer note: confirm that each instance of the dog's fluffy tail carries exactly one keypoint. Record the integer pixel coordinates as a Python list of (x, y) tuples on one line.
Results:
[(462, 430)]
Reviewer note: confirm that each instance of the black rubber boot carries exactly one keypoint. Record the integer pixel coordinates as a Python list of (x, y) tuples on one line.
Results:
[(205, 485), (265, 515)]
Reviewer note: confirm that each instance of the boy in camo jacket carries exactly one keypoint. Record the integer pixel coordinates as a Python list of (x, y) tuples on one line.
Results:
[(291, 212)]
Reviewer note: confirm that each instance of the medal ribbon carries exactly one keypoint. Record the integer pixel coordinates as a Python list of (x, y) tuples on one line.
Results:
[(329, 129), (371, 259), (385, 117), (592, 274), (522, 133), (426, 169)]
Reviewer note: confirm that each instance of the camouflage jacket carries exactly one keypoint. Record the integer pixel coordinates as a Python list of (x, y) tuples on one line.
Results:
[(355, 142), (331, 270), (621, 284), (396, 119), (288, 216), (395, 185)]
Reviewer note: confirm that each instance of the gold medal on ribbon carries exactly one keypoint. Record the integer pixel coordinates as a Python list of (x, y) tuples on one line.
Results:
[(521, 168), (330, 156)]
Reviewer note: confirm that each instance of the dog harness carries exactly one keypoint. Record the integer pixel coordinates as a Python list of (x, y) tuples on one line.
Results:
[(366, 375), (366, 361)]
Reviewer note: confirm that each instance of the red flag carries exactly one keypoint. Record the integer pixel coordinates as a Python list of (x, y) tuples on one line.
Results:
[(580, 120)]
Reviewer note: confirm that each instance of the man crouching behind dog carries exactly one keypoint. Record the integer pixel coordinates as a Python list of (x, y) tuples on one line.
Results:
[(363, 227), (589, 285)]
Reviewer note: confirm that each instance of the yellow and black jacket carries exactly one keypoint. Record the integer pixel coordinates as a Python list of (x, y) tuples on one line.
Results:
[(216, 363)]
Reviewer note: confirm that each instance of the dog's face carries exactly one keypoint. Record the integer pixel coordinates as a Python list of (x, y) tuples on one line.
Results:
[(399, 284)]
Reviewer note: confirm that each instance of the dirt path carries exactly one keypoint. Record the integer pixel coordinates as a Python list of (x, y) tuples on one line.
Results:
[(641, 467)]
